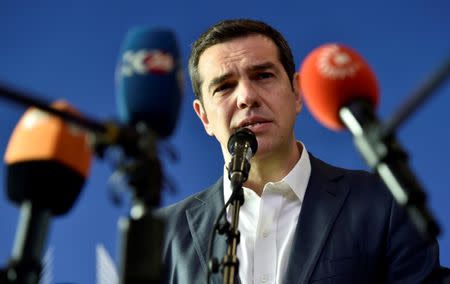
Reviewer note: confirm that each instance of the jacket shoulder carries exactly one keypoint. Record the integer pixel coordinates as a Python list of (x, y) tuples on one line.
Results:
[(192, 201)]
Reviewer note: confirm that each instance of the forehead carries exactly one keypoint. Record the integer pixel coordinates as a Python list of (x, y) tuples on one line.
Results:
[(237, 53)]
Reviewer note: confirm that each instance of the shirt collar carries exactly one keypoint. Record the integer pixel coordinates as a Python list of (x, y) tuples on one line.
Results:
[(297, 178)]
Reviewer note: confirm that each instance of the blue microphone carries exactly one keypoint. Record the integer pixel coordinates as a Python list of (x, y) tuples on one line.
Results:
[(150, 80), (149, 92)]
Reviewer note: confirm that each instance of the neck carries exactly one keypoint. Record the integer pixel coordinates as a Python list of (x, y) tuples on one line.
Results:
[(272, 168)]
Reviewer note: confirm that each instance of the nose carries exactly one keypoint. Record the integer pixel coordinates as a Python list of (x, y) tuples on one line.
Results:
[(247, 95)]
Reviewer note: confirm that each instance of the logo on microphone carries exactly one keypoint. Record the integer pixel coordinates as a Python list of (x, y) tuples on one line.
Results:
[(336, 63), (142, 62), (33, 118)]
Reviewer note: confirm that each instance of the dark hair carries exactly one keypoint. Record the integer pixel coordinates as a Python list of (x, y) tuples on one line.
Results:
[(231, 29)]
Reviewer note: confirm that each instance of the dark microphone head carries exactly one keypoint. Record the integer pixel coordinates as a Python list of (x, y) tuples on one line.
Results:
[(150, 80), (240, 137), (47, 161), (242, 146), (331, 77)]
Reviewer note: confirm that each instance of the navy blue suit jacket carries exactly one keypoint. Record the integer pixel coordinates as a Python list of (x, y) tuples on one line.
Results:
[(350, 230)]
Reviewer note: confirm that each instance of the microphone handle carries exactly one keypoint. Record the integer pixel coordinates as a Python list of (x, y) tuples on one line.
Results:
[(142, 233), (141, 248), (25, 264), (386, 156)]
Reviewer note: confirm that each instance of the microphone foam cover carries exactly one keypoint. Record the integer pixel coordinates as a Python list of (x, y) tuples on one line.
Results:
[(149, 80), (47, 160), (332, 76), (241, 136)]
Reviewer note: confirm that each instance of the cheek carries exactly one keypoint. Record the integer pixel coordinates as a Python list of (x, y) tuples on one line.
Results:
[(288, 108), (219, 118), (223, 110), (224, 120)]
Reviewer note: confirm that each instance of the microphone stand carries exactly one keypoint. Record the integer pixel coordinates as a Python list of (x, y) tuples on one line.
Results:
[(242, 141), (141, 233), (242, 145), (230, 261)]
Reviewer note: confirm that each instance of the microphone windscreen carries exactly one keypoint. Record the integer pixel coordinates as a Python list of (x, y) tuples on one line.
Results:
[(150, 80), (47, 160), (242, 136), (332, 76)]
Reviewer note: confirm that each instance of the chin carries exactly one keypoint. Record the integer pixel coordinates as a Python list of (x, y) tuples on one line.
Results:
[(263, 151), (268, 147)]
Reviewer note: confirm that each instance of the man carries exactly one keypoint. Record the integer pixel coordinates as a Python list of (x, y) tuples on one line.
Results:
[(303, 220)]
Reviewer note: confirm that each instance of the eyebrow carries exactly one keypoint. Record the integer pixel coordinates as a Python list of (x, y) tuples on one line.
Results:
[(262, 66), (218, 80), (259, 67)]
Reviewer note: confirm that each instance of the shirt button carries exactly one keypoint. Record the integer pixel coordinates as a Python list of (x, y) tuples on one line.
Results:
[(265, 234), (264, 278)]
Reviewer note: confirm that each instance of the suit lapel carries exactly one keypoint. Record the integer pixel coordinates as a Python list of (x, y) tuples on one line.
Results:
[(323, 200), (201, 220)]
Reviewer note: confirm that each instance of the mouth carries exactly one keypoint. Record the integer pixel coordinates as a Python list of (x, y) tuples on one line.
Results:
[(253, 123)]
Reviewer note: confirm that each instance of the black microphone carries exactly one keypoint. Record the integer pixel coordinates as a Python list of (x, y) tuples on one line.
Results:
[(242, 146)]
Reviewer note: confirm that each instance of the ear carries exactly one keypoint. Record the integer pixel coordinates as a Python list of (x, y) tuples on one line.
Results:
[(297, 92), (201, 113)]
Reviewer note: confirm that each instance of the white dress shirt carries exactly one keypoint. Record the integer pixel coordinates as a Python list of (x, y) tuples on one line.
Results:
[(267, 224)]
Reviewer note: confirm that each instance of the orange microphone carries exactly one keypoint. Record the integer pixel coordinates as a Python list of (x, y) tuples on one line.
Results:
[(47, 163), (340, 91), (333, 76), (47, 160)]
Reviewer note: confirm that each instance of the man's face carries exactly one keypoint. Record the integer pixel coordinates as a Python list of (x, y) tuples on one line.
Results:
[(245, 84)]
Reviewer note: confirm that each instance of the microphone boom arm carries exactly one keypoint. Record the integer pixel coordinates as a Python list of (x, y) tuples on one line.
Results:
[(20, 98), (105, 134), (386, 156), (418, 98)]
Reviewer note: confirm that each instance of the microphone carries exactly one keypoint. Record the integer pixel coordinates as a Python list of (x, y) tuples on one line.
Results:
[(47, 163), (333, 76), (149, 93), (341, 90), (242, 146), (150, 80)]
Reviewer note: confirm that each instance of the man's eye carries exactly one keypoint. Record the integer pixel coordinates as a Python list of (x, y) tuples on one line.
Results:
[(264, 75), (222, 88)]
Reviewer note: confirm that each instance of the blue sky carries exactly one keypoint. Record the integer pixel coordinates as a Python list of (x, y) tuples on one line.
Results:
[(69, 50)]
